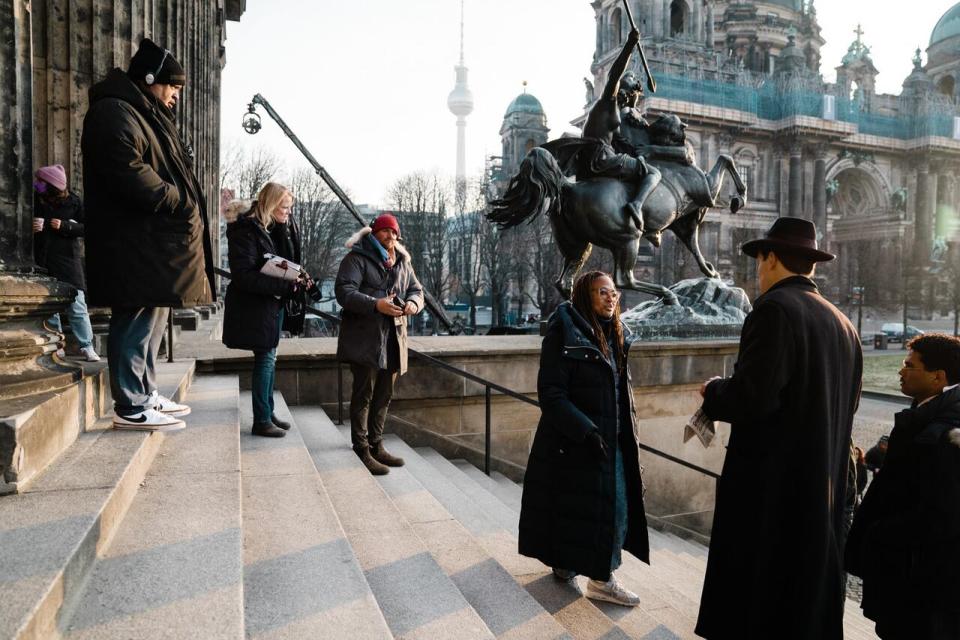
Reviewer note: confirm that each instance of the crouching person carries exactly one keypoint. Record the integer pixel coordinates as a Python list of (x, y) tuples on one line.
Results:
[(377, 288)]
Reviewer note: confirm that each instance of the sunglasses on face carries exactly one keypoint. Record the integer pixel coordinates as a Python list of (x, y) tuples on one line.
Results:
[(608, 293)]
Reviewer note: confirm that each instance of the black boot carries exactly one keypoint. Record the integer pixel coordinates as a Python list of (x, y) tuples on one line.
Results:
[(277, 422), (267, 430), (380, 454), (374, 467)]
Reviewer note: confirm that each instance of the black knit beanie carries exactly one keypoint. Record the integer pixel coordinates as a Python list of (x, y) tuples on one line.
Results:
[(154, 65)]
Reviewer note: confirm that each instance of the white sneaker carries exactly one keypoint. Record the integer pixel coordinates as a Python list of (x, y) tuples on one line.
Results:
[(90, 354), (611, 591), (167, 406), (148, 420)]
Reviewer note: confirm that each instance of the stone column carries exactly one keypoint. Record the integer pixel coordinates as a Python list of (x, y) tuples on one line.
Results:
[(26, 295), (922, 218), (665, 7), (709, 27), (946, 212), (820, 190), (795, 207)]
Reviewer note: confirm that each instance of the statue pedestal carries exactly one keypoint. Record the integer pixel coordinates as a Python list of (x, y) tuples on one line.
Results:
[(708, 310)]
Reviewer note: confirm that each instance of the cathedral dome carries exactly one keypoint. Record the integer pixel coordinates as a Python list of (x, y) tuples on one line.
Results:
[(525, 103), (947, 27)]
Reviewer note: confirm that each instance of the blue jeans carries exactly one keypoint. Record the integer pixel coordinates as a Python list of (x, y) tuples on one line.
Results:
[(132, 347), (261, 387), (79, 320)]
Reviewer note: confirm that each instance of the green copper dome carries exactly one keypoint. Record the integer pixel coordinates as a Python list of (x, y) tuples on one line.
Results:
[(524, 103), (948, 27)]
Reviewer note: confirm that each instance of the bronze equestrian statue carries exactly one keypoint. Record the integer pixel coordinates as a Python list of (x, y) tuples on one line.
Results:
[(633, 180)]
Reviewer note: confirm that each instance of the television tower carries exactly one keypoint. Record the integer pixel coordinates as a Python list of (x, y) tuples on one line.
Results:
[(460, 103)]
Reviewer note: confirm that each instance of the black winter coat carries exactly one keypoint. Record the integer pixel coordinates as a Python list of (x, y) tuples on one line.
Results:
[(905, 539), (147, 234), (253, 301), (286, 241), (775, 567), (567, 510), (60, 251), (361, 280)]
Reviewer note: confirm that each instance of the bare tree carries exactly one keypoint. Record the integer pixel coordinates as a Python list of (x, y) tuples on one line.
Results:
[(324, 224), (245, 170), (543, 262), (468, 216), (421, 202), (496, 259)]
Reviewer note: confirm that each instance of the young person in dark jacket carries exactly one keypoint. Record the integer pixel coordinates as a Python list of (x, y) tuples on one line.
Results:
[(582, 493), (254, 306), (58, 246), (775, 567), (148, 242), (905, 540), (377, 288)]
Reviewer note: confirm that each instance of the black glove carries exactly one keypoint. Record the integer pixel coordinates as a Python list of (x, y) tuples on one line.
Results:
[(594, 442)]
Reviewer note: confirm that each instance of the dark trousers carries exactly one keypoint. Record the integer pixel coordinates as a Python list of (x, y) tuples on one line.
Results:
[(132, 348), (369, 400)]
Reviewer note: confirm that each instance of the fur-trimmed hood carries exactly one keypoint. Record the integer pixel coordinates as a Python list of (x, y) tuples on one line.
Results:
[(237, 208), (355, 243)]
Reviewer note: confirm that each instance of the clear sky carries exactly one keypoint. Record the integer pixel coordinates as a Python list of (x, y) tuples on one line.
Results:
[(364, 83)]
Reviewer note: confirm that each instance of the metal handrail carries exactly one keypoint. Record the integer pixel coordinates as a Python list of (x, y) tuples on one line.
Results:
[(488, 387)]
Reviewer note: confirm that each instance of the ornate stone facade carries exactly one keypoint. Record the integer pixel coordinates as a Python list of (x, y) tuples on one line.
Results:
[(873, 171)]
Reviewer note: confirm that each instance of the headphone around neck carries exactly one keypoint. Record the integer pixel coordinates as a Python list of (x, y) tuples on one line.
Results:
[(150, 78)]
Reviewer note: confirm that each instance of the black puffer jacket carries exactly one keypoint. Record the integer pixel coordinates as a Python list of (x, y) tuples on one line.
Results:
[(253, 301), (60, 251), (361, 280), (567, 514), (905, 539), (147, 235)]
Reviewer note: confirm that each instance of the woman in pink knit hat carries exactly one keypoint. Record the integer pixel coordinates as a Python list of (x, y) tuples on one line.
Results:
[(58, 246)]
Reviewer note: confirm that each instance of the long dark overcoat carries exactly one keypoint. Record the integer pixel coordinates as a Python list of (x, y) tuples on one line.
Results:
[(775, 567), (361, 280), (147, 236), (905, 539), (253, 301), (567, 511)]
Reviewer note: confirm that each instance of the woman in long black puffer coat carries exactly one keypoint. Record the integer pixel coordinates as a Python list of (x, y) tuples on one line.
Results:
[(582, 493), (254, 304)]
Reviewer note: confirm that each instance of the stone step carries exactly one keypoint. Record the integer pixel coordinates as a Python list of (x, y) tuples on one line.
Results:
[(51, 534), (669, 549), (506, 496), (300, 578), (174, 566), (581, 617), (675, 608), (505, 606), (35, 430), (417, 598)]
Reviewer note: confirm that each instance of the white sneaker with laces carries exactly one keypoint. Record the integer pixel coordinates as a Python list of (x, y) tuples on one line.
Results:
[(148, 420), (611, 591), (167, 406), (90, 354)]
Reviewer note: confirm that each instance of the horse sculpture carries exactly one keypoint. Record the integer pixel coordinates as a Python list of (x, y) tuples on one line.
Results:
[(591, 212)]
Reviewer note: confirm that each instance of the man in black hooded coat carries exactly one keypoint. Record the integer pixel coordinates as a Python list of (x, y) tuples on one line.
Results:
[(775, 568), (905, 539), (148, 244)]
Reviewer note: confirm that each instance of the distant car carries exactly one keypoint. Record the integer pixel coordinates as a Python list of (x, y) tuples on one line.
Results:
[(894, 331)]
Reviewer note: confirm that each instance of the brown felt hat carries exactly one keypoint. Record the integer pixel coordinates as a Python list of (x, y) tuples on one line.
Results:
[(794, 235)]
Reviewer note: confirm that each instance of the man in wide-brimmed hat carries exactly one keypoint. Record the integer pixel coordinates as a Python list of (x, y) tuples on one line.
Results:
[(776, 551)]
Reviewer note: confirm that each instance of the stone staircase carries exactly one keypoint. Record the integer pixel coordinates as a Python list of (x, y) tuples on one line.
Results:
[(212, 533)]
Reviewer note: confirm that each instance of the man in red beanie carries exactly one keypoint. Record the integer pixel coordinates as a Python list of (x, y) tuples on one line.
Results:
[(377, 288)]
